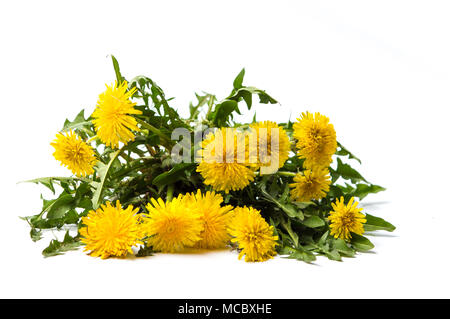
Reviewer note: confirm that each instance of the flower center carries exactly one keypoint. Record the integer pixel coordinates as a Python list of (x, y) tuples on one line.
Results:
[(347, 219), (170, 229)]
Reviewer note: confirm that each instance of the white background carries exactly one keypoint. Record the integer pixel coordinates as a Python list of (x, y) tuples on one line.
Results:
[(379, 69)]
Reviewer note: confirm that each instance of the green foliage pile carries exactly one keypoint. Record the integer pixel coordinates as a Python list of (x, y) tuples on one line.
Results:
[(143, 169)]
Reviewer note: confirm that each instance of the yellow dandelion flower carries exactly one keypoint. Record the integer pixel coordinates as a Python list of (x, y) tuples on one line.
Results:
[(310, 184), (253, 234), (229, 169), (111, 231), (226, 176), (172, 226), (316, 139), (74, 153), (346, 219), (112, 116), (264, 143), (214, 216)]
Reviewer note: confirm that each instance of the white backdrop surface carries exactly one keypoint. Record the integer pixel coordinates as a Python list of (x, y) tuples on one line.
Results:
[(379, 69)]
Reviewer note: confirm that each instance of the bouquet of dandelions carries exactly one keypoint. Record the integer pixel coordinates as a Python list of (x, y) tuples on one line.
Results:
[(146, 180)]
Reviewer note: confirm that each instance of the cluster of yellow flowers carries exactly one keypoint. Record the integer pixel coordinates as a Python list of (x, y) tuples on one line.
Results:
[(113, 122), (190, 220), (227, 171), (196, 219), (316, 143)]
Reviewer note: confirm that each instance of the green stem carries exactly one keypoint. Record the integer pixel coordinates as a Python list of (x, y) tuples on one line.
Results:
[(153, 129), (169, 194), (292, 234), (281, 173), (93, 138), (97, 197), (135, 165), (284, 173), (210, 105)]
